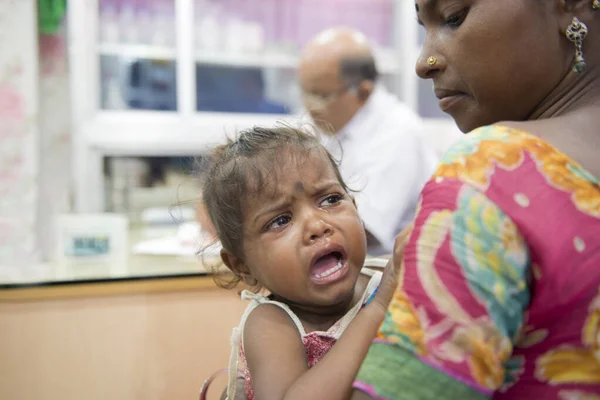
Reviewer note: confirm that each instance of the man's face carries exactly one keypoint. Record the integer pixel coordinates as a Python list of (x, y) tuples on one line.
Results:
[(330, 101)]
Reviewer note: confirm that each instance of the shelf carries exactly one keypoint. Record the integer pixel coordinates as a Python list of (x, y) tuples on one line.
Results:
[(137, 51), (387, 59), (147, 133), (143, 133), (260, 60)]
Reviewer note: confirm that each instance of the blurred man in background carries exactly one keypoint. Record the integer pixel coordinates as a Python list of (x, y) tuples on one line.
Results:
[(379, 140)]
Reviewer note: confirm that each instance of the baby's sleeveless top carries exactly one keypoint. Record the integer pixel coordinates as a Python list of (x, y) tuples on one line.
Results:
[(316, 343)]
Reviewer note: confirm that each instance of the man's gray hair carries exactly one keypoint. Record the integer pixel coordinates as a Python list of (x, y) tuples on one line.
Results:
[(354, 70)]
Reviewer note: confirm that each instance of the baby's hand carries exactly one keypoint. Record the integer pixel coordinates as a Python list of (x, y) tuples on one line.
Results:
[(389, 280)]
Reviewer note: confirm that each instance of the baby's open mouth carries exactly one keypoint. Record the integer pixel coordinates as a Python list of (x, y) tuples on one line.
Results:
[(328, 268)]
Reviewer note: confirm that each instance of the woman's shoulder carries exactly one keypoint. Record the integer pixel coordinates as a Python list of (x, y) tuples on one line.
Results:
[(521, 174), (477, 158), (478, 142), (508, 137)]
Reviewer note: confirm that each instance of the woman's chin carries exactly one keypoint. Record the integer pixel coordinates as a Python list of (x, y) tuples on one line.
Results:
[(466, 123)]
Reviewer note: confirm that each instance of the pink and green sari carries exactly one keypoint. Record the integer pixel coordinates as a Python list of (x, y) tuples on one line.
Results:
[(500, 291)]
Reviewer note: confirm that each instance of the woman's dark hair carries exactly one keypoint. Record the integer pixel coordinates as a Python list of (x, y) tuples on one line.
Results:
[(242, 168)]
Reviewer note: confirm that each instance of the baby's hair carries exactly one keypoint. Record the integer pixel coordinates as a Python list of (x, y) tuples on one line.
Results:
[(243, 168)]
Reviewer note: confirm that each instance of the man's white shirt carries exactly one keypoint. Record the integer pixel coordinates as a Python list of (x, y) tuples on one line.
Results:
[(385, 161)]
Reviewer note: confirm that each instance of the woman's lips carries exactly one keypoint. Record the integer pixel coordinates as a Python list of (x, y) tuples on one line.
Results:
[(448, 99)]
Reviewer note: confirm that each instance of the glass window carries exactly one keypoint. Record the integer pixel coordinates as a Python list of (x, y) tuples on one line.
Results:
[(247, 51), (137, 54)]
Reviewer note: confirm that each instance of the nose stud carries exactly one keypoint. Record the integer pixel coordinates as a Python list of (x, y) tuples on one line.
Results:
[(431, 61)]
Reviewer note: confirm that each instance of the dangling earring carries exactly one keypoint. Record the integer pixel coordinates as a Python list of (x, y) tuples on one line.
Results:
[(576, 33), (596, 4)]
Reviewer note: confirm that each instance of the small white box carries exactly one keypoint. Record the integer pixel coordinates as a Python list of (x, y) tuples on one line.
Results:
[(95, 238)]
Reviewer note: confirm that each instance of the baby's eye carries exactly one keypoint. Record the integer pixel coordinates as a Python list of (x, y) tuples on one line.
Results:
[(332, 199), (279, 222)]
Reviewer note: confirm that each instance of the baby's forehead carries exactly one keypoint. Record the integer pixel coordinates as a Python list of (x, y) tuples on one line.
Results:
[(290, 173)]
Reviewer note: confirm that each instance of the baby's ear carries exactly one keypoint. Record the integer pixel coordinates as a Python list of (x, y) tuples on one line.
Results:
[(236, 265)]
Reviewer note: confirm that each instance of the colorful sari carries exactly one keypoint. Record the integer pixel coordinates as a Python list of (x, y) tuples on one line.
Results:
[(499, 295)]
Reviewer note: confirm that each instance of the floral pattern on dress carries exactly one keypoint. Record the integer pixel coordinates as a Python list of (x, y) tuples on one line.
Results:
[(577, 395), (515, 367), (486, 351), (474, 161), (570, 364), (495, 269), (530, 337), (474, 158), (400, 313), (565, 174), (483, 344), (482, 240)]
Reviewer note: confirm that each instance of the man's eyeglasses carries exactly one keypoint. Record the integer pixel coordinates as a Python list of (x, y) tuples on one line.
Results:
[(317, 101)]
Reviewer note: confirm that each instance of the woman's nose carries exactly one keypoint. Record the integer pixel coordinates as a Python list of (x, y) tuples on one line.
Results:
[(429, 62)]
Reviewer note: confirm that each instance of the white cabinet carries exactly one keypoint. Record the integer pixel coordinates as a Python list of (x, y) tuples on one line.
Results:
[(172, 77)]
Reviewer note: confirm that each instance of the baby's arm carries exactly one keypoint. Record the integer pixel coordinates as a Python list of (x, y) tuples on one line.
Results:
[(277, 360), (276, 356)]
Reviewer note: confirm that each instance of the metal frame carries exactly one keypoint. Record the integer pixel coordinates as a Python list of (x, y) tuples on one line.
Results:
[(83, 69)]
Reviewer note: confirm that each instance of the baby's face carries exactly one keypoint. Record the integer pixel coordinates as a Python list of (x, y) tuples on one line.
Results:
[(303, 238)]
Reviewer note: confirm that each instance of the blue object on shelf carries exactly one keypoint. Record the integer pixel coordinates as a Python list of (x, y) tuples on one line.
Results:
[(231, 89), (151, 85)]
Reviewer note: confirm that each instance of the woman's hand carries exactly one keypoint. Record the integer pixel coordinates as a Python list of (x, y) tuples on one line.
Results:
[(389, 280)]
